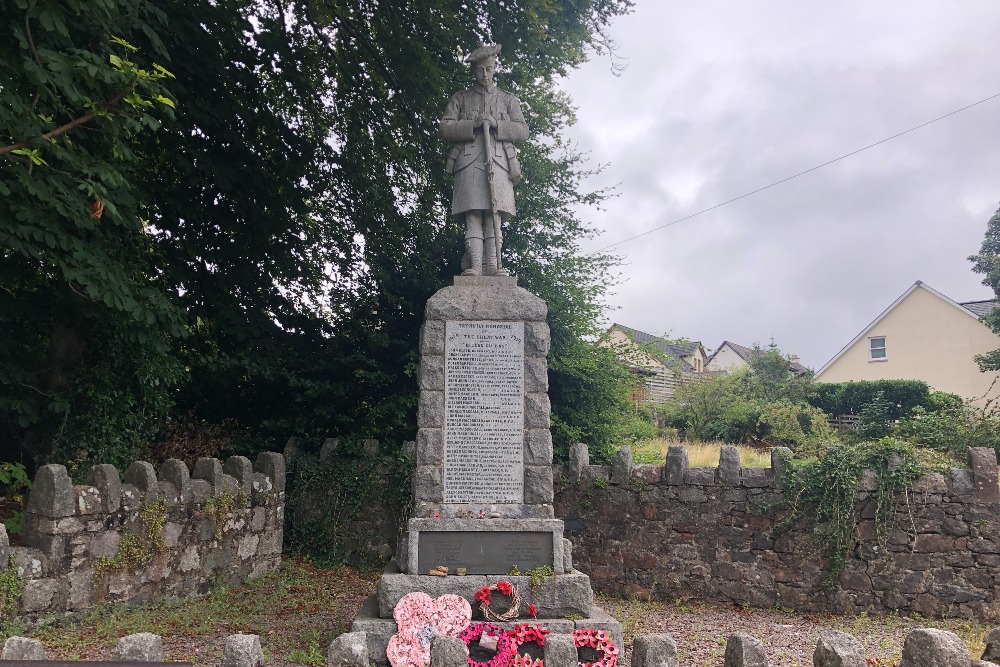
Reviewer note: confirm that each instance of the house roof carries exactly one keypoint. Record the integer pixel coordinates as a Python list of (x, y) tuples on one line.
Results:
[(980, 308), (744, 353), (970, 308), (669, 353)]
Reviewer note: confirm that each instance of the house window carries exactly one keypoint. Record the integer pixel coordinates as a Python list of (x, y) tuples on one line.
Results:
[(876, 348)]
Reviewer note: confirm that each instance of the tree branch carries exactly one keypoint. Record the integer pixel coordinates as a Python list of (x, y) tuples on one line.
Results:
[(76, 122)]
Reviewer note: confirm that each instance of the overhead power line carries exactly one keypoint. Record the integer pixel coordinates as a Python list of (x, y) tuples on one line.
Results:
[(801, 173)]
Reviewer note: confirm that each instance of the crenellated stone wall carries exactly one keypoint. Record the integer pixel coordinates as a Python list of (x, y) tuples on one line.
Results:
[(169, 532), (670, 531)]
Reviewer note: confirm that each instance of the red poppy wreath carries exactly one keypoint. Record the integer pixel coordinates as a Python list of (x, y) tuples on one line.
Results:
[(484, 596)]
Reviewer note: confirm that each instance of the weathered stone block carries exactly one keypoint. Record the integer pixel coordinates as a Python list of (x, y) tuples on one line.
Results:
[(621, 466), (780, 459), (140, 647), (348, 650), (506, 303), (560, 651), (201, 490), (742, 650), (448, 652), (210, 470), (428, 484), (432, 338), (960, 481), (430, 447), (176, 472), (728, 472), (579, 461), (647, 473), (430, 375), (22, 648), (52, 547), (927, 647), (838, 649), (272, 464), (52, 493), (142, 476), (654, 651), (536, 374), (105, 544), (983, 463), (39, 594), (538, 485), (88, 500), (756, 478), (701, 476), (537, 339), (430, 411), (240, 468), (537, 410), (537, 447), (676, 466), (242, 651), (992, 641)]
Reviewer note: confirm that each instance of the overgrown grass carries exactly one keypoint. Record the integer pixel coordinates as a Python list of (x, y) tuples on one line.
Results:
[(296, 611), (700, 454)]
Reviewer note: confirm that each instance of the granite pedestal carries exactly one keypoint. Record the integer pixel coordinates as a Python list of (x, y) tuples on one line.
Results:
[(483, 488)]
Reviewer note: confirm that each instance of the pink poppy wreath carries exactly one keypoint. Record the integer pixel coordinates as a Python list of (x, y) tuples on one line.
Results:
[(599, 641), (419, 618), (505, 648)]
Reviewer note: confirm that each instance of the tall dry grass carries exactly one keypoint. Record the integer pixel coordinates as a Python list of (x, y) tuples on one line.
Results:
[(700, 454)]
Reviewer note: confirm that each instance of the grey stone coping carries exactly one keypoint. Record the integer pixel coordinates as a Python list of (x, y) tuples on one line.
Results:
[(490, 525), (558, 596), (512, 511), (485, 281), (494, 302)]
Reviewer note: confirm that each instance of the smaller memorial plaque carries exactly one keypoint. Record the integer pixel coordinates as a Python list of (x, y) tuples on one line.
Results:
[(482, 552)]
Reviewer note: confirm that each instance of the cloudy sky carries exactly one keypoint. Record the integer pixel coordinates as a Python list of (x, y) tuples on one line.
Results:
[(722, 98)]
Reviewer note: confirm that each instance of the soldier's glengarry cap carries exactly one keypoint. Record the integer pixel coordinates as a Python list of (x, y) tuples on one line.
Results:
[(483, 52)]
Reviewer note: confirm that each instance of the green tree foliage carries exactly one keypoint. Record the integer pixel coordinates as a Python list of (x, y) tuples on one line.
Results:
[(950, 424), (85, 321), (850, 398), (275, 216), (762, 403), (987, 263)]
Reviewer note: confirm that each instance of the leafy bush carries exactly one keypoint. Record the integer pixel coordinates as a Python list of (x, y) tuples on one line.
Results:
[(951, 425), (850, 398)]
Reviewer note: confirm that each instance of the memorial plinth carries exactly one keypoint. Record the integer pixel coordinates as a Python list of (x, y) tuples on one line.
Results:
[(482, 487)]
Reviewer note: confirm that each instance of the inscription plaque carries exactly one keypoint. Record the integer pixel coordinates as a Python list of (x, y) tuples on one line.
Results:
[(482, 552), (484, 412)]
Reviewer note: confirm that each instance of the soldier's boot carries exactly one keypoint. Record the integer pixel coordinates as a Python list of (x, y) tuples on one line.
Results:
[(490, 264), (473, 257)]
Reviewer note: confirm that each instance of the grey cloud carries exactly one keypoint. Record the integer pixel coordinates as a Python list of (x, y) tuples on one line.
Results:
[(738, 95)]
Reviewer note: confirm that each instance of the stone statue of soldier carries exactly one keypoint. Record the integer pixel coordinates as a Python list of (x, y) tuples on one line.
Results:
[(484, 183)]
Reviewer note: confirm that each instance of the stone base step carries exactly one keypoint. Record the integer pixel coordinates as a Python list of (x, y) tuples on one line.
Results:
[(380, 630), (557, 596)]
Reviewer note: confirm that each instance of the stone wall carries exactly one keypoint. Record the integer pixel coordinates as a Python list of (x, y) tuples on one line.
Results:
[(167, 532), (672, 532)]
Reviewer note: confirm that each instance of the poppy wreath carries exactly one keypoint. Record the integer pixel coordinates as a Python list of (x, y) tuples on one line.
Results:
[(484, 596), (522, 634), (600, 642), (505, 648)]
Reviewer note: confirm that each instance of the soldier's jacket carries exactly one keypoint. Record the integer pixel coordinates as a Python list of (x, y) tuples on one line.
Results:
[(457, 126)]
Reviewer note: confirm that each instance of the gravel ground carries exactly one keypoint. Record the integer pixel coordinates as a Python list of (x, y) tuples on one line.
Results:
[(701, 631)]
